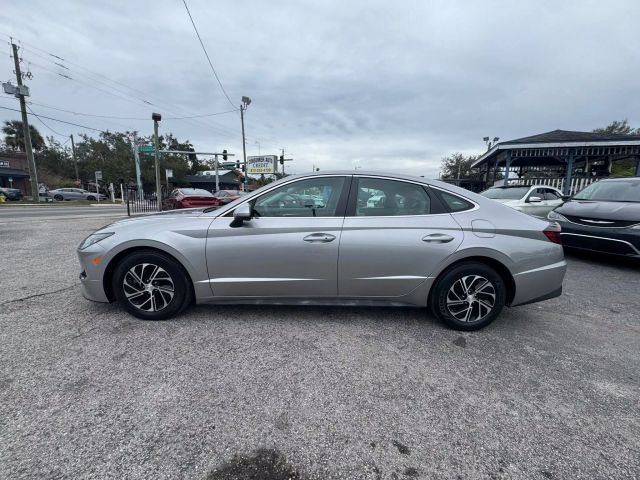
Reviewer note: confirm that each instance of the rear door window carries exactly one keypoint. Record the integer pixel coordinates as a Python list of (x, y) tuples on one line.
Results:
[(456, 203)]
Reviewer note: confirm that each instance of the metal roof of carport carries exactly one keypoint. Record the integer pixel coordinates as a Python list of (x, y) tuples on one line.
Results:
[(542, 149)]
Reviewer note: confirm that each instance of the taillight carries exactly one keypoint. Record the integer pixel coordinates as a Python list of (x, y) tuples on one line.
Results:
[(552, 232)]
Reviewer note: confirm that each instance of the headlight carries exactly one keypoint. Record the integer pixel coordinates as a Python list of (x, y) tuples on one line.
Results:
[(556, 217), (94, 238)]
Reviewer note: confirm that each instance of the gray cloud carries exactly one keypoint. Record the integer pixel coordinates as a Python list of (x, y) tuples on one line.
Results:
[(338, 84)]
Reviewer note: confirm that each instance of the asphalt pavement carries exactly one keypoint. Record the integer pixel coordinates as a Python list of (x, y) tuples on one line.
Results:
[(548, 391)]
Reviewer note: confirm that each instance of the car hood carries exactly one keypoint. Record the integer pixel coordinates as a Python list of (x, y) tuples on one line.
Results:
[(624, 211)]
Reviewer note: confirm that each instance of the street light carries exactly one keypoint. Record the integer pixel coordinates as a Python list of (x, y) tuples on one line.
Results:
[(246, 101), (490, 143)]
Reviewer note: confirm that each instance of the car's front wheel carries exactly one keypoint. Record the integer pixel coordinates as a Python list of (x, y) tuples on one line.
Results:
[(58, 197), (468, 296), (151, 285)]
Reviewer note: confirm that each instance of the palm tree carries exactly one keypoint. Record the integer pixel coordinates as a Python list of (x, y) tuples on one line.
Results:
[(14, 136)]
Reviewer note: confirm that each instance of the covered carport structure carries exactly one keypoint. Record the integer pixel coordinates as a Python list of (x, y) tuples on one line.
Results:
[(564, 159)]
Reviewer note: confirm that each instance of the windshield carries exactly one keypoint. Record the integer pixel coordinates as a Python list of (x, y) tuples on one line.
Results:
[(511, 193), (612, 191)]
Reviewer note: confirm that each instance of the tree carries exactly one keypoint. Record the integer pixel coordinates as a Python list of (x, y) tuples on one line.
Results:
[(618, 128), (14, 136), (457, 165)]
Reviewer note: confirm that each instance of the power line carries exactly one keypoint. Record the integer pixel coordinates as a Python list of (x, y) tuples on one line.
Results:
[(57, 120), (206, 54), (221, 130), (41, 121), (100, 78)]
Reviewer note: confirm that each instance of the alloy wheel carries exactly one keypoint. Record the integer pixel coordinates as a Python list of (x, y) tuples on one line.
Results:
[(148, 287), (471, 298)]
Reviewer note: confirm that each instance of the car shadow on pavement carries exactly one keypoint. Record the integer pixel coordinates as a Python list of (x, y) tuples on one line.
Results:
[(620, 261)]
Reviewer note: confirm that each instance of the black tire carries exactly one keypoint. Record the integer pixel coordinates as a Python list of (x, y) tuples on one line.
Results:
[(468, 310), (152, 300), (91, 198), (58, 197)]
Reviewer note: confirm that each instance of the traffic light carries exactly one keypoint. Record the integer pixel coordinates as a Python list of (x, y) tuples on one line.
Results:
[(281, 159), (243, 168), (238, 165), (224, 155)]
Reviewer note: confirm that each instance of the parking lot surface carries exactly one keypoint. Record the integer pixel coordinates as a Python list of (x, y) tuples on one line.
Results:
[(549, 390)]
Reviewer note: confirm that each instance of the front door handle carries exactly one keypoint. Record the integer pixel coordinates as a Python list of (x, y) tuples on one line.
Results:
[(319, 238), (437, 238)]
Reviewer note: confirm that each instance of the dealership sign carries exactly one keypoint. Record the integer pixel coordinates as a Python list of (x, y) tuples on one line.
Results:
[(265, 164)]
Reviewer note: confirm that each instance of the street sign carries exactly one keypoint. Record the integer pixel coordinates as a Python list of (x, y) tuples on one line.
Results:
[(98, 175), (168, 173), (265, 164), (146, 149)]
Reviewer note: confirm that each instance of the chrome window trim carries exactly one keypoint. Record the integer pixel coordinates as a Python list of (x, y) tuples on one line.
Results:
[(603, 238)]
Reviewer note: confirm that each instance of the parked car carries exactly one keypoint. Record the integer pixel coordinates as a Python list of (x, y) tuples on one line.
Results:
[(190, 198), (604, 217), (227, 196), (74, 194), (11, 193), (536, 200), (459, 253)]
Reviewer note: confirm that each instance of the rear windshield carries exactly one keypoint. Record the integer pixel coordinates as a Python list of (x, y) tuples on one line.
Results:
[(511, 193), (196, 191), (616, 191)]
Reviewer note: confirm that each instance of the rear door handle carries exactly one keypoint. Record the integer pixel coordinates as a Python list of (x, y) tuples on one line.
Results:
[(319, 238), (437, 238)]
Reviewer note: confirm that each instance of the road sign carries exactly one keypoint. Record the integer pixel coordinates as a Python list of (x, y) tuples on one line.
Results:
[(265, 164), (146, 149), (98, 175)]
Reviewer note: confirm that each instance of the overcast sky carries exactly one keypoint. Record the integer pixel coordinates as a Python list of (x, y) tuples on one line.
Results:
[(339, 84)]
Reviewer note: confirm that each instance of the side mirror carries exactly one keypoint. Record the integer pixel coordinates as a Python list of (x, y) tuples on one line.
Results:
[(241, 214), (534, 200)]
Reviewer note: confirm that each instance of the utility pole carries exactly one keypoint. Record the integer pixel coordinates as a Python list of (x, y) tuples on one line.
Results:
[(75, 159), (246, 101), (156, 117), (217, 180), (282, 161), (136, 159), (25, 126)]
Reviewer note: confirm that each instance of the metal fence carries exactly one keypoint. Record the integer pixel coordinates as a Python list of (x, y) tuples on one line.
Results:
[(139, 201), (576, 184)]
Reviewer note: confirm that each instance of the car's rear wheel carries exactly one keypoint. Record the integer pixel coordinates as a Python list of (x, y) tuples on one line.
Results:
[(91, 198), (468, 296), (58, 197), (151, 285)]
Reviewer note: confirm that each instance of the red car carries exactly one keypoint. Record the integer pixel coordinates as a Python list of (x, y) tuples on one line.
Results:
[(190, 198), (227, 196)]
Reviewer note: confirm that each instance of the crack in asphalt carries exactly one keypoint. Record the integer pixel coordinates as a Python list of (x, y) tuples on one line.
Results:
[(28, 297)]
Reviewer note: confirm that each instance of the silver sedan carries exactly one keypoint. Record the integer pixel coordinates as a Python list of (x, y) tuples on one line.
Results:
[(421, 243), (74, 194)]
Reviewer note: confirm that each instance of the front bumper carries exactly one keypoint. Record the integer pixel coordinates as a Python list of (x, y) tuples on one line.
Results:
[(92, 273), (618, 241)]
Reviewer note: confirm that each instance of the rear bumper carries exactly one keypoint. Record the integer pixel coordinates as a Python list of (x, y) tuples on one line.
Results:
[(539, 284)]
